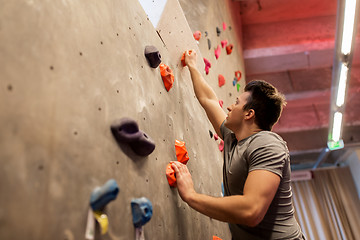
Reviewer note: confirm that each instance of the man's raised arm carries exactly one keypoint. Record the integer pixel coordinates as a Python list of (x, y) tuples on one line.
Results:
[(205, 94)]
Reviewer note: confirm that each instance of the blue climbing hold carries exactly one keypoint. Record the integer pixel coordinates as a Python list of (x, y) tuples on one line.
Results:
[(234, 81), (141, 210), (101, 196)]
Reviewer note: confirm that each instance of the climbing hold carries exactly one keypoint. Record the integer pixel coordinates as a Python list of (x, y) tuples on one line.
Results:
[(153, 56), (101, 196), (221, 145), (206, 33), (238, 87), (170, 175), (209, 43), (216, 137), (142, 210), (224, 43), (221, 80), (229, 49), (183, 58), (103, 221), (211, 134), (127, 131), (221, 102), (216, 238), (234, 81), (218, 31), (197, 35), (207, 66), (167, 76), (181, 152), (217, 52), (238, 75), (224, 26)]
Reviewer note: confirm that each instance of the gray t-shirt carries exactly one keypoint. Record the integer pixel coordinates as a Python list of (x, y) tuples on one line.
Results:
[(264, 150)]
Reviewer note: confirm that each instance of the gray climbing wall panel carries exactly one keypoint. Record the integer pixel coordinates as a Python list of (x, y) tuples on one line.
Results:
[(68, 69)]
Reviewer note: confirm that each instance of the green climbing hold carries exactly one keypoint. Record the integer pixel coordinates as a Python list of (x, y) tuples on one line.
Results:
[(238, 86)]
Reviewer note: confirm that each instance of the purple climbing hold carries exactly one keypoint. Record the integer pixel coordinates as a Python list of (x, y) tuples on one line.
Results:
[(153, 56), (127, 131)]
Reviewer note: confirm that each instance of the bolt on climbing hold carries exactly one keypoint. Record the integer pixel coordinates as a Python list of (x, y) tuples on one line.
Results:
[(181, 152), (221, 79), (197, 35), (229, 49), (207, 66), (170, 175), (127, 131), (224, 26), (167, 76), (101, 196), (103, 221), (216, 238), (217, 52), (206, 33), (221, 103), (216, 137), (211, 134), (142, 211), (238, 75), (224, 43), (238, 87), (183, 58), (218, 31), (152, 56), (234, 81), (209, 43), (221, 145)]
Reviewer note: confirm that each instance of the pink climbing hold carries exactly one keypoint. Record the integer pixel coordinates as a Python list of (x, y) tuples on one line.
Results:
[(221, 145), (221, 102), (221, 80), (216, 137), (224, 43), (197, 35), (217, 52), (207, 66), (224, 26)]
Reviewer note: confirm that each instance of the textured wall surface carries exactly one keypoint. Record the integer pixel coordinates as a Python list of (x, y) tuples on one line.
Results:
[(68, 69)]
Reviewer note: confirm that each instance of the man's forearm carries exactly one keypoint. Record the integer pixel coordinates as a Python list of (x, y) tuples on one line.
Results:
[(201, 88)]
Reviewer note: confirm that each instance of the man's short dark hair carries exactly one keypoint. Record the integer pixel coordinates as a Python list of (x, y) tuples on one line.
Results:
[(266, 101)]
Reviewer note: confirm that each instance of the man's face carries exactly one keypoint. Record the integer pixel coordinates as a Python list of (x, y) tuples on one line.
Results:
[(236, 113)]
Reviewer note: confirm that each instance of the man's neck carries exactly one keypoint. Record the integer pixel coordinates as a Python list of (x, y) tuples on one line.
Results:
[(246, 132)]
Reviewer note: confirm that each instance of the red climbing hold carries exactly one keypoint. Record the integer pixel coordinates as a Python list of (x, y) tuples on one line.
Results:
[(221, 80), (229, 49), (167, 76), (221, 145), (207, 66), (216, 238), (238, 75), (197, 35), (224, 43), (224, 26), (181, 152), (183, 58), (170, 175), (217, 52), (221, 102), (216, 137)]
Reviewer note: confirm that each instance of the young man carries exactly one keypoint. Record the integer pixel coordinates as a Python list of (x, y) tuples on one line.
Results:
[(256, 172)]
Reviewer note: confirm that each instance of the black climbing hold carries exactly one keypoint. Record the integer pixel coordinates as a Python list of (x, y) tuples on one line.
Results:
[(211, 134), (206, 33), (218, 31), (209, 43), (153, 56), (127, 131)]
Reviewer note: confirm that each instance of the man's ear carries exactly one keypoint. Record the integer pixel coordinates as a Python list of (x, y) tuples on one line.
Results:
[(250, 114)]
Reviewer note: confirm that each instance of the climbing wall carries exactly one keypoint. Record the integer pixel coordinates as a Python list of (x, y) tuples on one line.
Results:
[(68, 70)]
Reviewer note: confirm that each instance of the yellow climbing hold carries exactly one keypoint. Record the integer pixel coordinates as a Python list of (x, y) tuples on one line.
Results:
[(103, 221)]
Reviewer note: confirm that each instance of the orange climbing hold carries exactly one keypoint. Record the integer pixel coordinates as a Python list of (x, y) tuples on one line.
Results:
[(238, 75), (167, 76), (229, 49), (221, 80), (197, 35), (183, 58), (170, 175), (181, 152), (216, 238)]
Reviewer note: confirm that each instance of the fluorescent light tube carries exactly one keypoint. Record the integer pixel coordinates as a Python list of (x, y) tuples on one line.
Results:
[(340, 98), (348, 26), (337, 126)]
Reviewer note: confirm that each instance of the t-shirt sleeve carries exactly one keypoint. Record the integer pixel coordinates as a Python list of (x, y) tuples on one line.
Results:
[(267, 153)]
